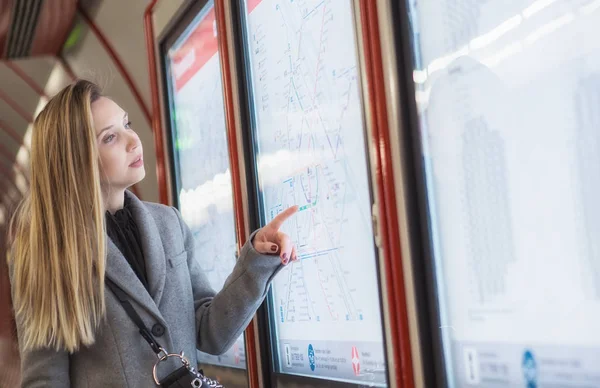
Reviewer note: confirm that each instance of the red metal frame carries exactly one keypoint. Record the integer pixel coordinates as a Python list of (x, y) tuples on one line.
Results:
[(13, 104), (399, 342), (8, 174), (228, 98), (117, 61), (15, 136), (11, 132), (156, 114), (11, 203), (13, 157), (25, 77), (38, 89), (6, 8), (66, 67)]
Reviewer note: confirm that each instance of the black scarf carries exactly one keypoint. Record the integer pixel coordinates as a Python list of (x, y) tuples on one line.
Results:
[(123, 231)]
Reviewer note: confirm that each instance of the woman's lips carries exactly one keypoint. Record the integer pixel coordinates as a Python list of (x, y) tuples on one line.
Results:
[(137, 163)]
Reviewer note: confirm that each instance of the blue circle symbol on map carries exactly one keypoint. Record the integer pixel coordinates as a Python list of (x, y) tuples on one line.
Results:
[(529, 369), (311, 357)]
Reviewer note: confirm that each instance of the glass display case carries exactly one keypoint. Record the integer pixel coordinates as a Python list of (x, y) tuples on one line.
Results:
[(505, 95), (201, 172), (310, 150)]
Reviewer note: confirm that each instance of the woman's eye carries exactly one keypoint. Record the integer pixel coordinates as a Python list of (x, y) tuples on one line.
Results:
[(108, 139), (128, 125)]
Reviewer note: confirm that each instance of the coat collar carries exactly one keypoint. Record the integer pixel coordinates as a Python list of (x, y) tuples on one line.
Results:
[(119, 270)]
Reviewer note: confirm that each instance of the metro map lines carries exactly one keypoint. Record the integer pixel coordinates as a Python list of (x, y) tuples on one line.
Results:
[(317, 287), (312, 153)]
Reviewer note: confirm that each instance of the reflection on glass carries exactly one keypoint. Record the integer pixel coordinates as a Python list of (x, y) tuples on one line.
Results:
[(200, 142), (311, 152), (508, 93)]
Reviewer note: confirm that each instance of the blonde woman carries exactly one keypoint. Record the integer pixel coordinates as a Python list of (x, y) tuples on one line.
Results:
[(79, 234)]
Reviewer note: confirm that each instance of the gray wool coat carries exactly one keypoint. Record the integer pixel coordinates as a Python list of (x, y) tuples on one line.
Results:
[(180, 300)]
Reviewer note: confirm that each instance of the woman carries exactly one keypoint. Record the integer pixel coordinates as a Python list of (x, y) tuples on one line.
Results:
[(79, 224)]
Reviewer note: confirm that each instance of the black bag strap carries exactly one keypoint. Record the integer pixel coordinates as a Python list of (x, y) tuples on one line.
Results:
[(122, 297)]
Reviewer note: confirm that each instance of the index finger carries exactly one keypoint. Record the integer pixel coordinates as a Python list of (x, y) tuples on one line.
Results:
[(283, 216)]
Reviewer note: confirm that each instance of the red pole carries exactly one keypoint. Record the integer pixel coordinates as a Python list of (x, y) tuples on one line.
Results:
[(16, 107), (25, 77), (230, 111), (156, 117), (38, 89), (10, 157), (11, 132), (8, 174), (8, 205), (67, 68), (399, 341)]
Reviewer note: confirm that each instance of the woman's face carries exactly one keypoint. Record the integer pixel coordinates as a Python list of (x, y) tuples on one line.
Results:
[(120, 149)]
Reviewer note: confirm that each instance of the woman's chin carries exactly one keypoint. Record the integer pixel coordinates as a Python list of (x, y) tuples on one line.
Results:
[(139, 177)]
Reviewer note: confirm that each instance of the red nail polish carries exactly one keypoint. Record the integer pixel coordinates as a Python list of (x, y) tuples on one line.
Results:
[(285, 261), (284, 257)]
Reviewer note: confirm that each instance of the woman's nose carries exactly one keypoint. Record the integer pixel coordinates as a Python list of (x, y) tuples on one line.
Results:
[(134, 142)]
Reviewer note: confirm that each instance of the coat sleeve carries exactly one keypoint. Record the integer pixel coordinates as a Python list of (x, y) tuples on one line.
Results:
[(222, 317), (42, 367)]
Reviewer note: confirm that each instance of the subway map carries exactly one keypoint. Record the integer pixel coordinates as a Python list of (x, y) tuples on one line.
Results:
[(312, 153)]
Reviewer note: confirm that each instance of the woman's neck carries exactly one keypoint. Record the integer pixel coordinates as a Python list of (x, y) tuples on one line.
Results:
[(114, 201)]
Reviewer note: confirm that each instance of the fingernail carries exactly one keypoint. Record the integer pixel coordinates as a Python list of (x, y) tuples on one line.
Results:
[(284, 258), (285, 261), (294, 258), (273, 248)]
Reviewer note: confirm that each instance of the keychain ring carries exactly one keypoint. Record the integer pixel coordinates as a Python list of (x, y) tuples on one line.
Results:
[(162, 354), (181, 356)]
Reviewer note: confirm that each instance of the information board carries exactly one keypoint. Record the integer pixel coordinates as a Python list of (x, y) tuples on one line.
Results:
[(311, 152), (508, 95), (205, 194)]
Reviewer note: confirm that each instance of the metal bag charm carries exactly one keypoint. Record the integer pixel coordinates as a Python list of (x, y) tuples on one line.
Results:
[(186, 376)]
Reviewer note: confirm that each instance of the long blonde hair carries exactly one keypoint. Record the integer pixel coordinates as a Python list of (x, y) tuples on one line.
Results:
[(58, 254)]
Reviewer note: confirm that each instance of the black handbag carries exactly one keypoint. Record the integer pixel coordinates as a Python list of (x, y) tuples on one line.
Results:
[(185, 376)]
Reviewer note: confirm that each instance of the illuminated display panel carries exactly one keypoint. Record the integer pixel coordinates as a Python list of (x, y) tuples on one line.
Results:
[(508, 95), (310, 151), (199, 138)]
